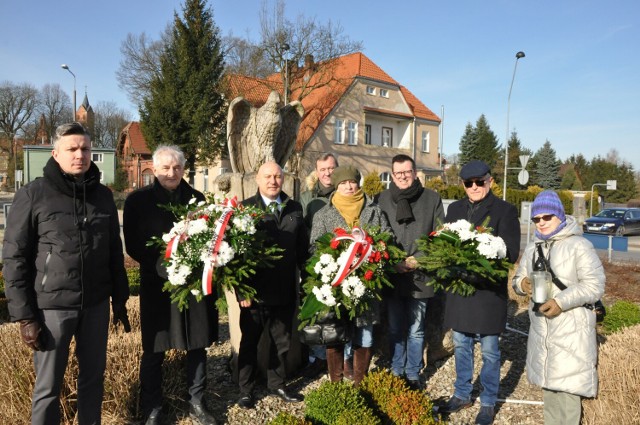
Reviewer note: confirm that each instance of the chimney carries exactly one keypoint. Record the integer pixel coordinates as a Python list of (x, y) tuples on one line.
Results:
[(308, 61)]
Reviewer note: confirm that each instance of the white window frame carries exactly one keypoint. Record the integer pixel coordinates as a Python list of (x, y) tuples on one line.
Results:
[(426, 141), (384, 93), (97, 157), (371, 90), (223, 170), (387, 143), (385, 179), (352, 133), (338, 131)]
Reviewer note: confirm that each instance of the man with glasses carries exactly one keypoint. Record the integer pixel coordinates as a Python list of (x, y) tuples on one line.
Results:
[(481, 317), (412, 211)]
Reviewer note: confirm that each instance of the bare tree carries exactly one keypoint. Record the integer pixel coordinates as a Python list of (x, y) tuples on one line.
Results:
[(55, 106), (140, 64), (17, 104), (245, 58), (306, 45), (109, 121)]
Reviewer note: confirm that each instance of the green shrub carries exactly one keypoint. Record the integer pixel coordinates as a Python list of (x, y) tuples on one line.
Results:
[(331, 402), (395, 401), (620, 315), (372, 185), (133, 274), (285, 418)]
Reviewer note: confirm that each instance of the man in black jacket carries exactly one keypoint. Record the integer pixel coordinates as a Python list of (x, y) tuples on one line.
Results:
[(63, 260), (272, 310), (482, 316), (163, 326), (413, 211)]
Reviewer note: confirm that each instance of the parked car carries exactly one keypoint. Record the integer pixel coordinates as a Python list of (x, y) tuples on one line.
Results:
[(614, 221)]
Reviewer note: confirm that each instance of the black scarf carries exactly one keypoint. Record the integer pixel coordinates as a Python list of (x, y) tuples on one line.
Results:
[(403, 198), (322, 191)]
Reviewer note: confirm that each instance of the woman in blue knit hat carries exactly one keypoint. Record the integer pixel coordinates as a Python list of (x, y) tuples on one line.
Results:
[(562, 351)]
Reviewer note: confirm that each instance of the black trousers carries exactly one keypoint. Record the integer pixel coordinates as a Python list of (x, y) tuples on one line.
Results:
[(151, 378), (276, 321)]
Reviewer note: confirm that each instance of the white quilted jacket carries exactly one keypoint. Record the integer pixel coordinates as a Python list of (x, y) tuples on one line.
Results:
[(562, 352)]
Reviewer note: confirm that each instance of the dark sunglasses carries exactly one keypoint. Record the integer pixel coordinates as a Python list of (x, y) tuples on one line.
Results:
[(546, 217), (469, 183)]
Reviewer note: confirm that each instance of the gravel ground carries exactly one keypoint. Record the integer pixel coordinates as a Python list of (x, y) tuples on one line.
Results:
[(439, 380)]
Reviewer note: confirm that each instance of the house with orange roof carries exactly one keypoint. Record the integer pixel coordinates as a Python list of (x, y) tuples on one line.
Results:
[(355, 110)]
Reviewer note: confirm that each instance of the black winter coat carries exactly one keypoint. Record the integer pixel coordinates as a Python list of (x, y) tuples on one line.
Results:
[(62, 246), (278, 286), (484, 312), (163, 325)]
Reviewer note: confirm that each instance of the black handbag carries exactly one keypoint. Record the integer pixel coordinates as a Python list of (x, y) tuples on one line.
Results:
[(598, 307), (327, 330)]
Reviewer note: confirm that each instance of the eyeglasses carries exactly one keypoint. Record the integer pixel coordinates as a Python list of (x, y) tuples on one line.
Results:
[(399, 174), (469, 183), (546, 217)]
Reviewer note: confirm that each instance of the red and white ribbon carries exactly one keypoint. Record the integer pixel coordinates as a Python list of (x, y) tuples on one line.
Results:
[(357, 253), (216, 241)]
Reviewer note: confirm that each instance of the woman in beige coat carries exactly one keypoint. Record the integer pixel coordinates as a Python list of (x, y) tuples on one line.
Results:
[(562, 351)]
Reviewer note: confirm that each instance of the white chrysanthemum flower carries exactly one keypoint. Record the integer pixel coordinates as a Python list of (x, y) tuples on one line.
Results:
[(225, 254), (195, 292), (490, 246), (353, 288), (325, 259), (197, 226), (464, 229), (324, 295), (167, 237), (325, 278), (244, 223), (210, 207), (178, 276), (318, 267)]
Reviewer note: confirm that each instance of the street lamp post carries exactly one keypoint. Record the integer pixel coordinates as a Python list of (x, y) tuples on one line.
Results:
[(285, 49), (506, 141), (65, 66)]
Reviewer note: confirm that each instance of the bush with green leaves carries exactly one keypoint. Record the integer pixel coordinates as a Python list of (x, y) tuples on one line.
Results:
[(286, 418), (133, 274), (620, 315), (337, 403), (396, 401)]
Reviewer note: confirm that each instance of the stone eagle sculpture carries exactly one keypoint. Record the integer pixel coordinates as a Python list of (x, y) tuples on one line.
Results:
[(258, 135)]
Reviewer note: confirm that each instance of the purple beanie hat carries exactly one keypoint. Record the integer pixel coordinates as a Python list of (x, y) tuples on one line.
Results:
[(548, 202)]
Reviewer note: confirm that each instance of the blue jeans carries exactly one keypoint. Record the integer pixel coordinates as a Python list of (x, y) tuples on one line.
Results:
[(490, 372), (406, 335), (362, 337)]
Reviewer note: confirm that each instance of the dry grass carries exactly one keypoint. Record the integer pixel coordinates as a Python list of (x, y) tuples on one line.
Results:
[(120, 405), (619, 374)]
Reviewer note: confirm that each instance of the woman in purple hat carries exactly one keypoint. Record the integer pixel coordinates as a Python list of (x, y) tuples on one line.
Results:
[(562, 351)]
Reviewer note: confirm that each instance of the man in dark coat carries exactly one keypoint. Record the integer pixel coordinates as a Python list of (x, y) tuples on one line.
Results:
[(413, 211), (272, 310), (63, 260), (482, 316), (163, 326)]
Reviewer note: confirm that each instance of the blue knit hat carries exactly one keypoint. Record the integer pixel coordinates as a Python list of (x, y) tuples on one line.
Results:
[(548, 202)]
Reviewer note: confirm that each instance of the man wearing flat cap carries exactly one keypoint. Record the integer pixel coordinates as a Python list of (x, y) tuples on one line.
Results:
[(481, 317)]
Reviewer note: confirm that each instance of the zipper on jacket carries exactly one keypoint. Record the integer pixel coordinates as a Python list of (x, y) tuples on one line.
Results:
[(46, 266)]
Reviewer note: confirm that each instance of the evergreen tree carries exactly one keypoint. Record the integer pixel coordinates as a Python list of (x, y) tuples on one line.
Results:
[(185, 106), (547, 167), (479, 142), (602, 170)]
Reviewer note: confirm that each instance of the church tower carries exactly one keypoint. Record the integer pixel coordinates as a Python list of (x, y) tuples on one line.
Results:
[(85, 115)]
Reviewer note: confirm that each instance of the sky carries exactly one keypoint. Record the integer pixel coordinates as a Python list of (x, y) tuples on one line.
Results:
[(577, 87)]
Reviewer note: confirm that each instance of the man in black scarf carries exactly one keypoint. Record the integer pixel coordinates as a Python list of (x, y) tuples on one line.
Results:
[(412, 211)]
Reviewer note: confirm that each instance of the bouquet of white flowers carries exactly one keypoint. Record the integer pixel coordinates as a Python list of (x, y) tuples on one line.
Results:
[(215, 245), (461, 257)]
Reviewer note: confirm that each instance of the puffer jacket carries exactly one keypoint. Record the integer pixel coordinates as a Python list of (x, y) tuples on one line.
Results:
[(62, 247), (562, 352)]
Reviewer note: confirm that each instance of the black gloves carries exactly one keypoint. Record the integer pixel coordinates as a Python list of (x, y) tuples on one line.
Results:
[(120, 316), (161, 269), (30, 331)]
